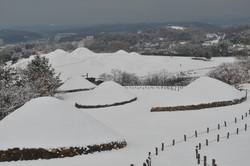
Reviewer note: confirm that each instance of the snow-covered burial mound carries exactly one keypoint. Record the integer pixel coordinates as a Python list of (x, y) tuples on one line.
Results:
[(76, 83), (50, 123), (107, 94), (202, 91)]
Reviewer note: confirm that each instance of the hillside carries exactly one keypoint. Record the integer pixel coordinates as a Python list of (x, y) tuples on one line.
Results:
[(50, 123), (143, 130), (14, 36), (82, 61)]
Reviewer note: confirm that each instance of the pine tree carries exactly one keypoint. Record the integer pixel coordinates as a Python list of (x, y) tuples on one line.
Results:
[(20, 86), (40, 76)]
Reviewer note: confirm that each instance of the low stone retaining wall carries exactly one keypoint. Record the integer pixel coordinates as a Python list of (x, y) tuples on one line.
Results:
[(17, 154), (107, 105), (199, 106), (73, 90)]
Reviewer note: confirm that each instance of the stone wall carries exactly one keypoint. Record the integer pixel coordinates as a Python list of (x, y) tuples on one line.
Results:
[(73, 90), (106, 105), (199, 106), (17, 154)]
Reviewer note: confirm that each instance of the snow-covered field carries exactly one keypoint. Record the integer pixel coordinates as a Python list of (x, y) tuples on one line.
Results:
[(145, 130), (82, 61)]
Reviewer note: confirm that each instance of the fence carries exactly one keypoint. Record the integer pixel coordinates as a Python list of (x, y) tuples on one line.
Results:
[(217, 139), (148, 161), (174, 88)]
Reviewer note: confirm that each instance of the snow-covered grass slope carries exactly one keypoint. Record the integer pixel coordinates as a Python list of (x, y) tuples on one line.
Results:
[(82, 61), (145, 130), (229, 150), (76, 83), (50, 123), (203, 90), (107, 93)]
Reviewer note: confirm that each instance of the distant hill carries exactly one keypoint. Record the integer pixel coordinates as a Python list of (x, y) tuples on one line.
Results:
[(107, 28), (15, 36)]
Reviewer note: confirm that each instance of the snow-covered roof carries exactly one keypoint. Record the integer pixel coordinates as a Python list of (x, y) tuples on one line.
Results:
[(204, 90), (50, 123), (107, 93), (76, 82)]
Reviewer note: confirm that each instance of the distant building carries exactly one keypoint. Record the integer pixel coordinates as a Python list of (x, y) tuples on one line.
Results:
[(61, 35), (139, 32), (1, 42), (85, 42), (42, 41)]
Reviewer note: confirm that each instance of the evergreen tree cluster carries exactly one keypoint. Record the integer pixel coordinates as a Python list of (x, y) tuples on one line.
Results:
[(18, 86)]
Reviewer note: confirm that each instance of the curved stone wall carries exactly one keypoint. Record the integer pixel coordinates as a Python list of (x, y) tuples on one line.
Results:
[(73, 90), (17, 154), (199, 106), (107, 105)]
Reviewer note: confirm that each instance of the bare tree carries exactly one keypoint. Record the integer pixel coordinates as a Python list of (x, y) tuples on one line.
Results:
[(231, 73)]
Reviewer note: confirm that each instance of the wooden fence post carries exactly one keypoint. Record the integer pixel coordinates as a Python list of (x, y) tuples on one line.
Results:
[(206, 142), (131, 164), (149, 154), (156, 151), (149, 161), (195, 133), (225, 123), (162, 146), (196, 153), (208, 130), (242, 117), (245, 127), (237, 131), (218, 126), (227, 135), (235, 119), (173, 142), (218, 138), (246, 114), (144, 164), (213, 162), (199, 146), (205, 160), (185, 138), (198, 158)]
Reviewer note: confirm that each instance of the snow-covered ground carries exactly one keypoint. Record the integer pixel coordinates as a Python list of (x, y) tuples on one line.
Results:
[(50, 123), (204, 90), (106, 93), (177, 27), (145, 130), (75, 83), (82, 61)]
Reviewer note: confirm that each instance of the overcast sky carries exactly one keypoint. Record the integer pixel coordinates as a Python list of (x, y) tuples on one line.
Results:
[(89, 12)]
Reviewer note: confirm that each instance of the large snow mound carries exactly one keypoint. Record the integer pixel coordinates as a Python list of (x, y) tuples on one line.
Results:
[(107, 93), (121, 52), (82, 61), (76, 82), (50, 123), (203, 90), (81, 50)]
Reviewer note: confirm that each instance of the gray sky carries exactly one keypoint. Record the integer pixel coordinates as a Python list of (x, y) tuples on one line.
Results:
[(89, 12)]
